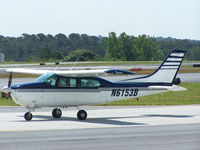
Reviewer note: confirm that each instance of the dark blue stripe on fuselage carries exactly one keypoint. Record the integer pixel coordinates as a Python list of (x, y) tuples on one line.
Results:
[(175, 57)]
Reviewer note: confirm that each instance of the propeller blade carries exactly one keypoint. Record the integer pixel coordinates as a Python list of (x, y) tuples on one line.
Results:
[(9, 84), (10, 79)]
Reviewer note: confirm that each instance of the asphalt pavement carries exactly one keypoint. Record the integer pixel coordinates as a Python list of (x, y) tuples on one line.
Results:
[(170, 137), (107, 128)]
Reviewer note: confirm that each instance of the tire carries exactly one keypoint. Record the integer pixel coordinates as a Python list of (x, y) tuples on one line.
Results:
[(56, 113), (82, 115), (28, 116), (177, 81)]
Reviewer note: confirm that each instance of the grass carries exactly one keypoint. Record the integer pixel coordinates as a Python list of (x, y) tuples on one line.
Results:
[(191, 96), (7, 102)]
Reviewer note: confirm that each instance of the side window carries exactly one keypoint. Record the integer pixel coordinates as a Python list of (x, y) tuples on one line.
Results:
[(51, 80), (90, 83), (66, 82)]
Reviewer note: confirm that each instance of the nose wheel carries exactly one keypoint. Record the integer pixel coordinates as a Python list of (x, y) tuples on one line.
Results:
[(28, 116), (56, 113), (82, 115)]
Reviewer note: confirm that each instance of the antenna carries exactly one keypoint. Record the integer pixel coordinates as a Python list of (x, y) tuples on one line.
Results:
[(74, 64)]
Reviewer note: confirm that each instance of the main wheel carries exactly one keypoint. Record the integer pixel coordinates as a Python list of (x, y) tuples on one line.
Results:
[(28, 116), (82, 115), (56, 113)]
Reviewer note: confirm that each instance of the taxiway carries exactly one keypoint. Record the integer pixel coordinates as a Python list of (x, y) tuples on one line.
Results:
[(143, 127)]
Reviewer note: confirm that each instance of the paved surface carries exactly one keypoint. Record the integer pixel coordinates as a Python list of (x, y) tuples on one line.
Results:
[(101, 118), (176, 137), (151, 127)]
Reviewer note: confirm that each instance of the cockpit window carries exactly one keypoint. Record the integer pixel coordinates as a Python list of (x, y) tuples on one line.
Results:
[(49, 78), (90, 83)]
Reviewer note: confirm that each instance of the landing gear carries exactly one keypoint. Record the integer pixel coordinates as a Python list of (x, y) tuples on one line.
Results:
[(82, 115), (28, 116), (56, 113)]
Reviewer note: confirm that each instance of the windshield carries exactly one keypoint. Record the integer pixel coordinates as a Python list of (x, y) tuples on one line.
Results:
[(49, 78)]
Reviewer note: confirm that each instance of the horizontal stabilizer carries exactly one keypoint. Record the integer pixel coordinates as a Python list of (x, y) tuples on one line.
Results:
[(160, 87), (171, 88)]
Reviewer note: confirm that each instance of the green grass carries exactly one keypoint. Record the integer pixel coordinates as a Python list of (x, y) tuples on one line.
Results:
[(7, 102), (191, 96)]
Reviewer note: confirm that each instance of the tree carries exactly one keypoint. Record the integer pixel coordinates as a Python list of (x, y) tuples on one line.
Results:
[(123, 47), (45, 54), (74, 39), (147, 48), (82, 55), (126, 46), (57, 55), (112, 48), (129, 48), (194, 53)]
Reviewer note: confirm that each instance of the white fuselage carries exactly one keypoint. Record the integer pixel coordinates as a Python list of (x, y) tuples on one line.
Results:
[(34, 98)]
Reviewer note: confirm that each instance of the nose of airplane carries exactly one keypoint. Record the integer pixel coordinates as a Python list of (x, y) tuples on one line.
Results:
[(6, 89)]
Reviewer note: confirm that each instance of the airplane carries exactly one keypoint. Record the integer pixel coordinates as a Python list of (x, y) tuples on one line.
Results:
[(74, 88)]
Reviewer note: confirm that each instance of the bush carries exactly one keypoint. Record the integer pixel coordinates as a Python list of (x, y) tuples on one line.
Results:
[(82, 55)]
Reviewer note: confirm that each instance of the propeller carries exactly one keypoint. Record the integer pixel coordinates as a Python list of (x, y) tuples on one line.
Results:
[(9, 84)]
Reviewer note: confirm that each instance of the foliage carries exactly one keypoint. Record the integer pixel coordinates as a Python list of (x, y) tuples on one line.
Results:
[(82, 55), (46, 54), (39, 46), (191, 46), (124, 47), (131, 48)]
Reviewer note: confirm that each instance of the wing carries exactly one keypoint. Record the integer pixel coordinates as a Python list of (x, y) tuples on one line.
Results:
[(72, 73)]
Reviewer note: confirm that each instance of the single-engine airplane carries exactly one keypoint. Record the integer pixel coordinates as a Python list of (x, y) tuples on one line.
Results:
[(74, 88)]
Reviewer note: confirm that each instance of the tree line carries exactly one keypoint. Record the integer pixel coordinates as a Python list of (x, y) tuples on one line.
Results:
[(83, 47)]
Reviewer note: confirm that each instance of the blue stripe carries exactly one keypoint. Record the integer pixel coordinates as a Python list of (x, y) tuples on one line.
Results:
[(173, 61), (179, 51)]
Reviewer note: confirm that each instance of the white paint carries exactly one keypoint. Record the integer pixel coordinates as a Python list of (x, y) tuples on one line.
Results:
[(164, 75), (177, 54), (172, 63), (174, 59), (64, 99), (67, 73), (169, 67)]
